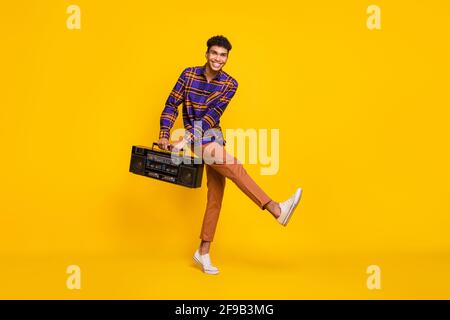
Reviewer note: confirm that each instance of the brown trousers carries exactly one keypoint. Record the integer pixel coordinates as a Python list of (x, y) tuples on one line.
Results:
[(224, 166)]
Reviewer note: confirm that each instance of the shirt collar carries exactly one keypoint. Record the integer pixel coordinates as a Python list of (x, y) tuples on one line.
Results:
[(218, 75)]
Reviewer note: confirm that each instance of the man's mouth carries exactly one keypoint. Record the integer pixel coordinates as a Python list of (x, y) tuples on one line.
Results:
[(216, 65)]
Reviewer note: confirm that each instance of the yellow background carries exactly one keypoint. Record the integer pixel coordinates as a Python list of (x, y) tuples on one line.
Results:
[(364, 130)]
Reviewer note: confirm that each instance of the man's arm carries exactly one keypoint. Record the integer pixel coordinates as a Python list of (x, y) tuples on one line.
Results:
[(170, 111), (212, 116)]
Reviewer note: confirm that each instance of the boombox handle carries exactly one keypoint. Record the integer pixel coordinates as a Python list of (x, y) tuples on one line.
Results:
[(156, 144)]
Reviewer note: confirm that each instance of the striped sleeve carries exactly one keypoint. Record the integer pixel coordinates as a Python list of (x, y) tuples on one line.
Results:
[(170, 111)]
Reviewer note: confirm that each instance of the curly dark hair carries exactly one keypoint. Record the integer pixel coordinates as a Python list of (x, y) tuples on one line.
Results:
[(220, 41)]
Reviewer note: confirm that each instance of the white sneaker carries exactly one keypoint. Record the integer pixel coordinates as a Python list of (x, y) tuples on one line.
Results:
[(205, 261), (288, 207)]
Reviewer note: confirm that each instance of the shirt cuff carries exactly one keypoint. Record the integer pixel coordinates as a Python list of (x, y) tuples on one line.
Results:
[(164, 134)]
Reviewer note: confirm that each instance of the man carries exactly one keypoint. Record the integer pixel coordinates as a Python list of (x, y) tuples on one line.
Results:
[(205, 92)]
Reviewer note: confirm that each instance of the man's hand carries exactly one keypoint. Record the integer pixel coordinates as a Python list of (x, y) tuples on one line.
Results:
[(163, 143), (175, 146)]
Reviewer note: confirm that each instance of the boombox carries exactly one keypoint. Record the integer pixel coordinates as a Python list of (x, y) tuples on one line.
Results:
[(165, 166)]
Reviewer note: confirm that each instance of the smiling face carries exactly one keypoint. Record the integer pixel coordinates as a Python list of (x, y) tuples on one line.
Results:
[(216, 57)]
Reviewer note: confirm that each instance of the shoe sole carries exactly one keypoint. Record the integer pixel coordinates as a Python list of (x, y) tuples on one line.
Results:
[(298, 196), (201, 265)]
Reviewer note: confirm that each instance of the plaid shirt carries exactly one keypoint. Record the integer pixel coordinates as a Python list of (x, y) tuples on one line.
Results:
[(203, 104)]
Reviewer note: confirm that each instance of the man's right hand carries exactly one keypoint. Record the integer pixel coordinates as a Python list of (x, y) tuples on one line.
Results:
[(163, 143)]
